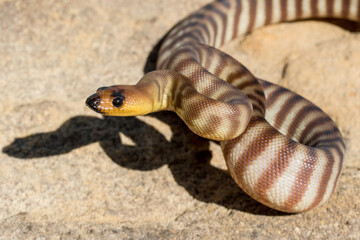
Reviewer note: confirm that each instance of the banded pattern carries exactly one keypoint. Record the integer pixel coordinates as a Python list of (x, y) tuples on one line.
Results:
[(223, 20), (279, 148)]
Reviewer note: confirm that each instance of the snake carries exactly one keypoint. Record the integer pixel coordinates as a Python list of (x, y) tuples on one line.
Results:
[(279, 148)]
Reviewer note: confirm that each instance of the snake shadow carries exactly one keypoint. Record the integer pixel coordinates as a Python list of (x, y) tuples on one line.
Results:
[(187, 155)]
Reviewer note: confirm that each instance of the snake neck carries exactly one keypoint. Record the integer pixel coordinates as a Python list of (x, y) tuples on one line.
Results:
[(165, 90), (216, 119), (158, 88)]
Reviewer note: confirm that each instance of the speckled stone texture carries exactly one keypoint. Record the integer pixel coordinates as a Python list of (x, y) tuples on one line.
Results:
[(68, 173)]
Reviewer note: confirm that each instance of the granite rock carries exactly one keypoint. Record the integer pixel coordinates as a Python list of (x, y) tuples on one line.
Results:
[(68, 173)]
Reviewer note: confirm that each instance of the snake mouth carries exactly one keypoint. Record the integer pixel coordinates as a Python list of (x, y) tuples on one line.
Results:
[(93, 102)]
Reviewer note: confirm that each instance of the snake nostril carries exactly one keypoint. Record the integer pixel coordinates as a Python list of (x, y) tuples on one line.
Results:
[(93, 102)]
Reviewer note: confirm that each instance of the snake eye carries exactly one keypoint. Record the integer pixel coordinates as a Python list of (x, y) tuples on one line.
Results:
[(117, 102)]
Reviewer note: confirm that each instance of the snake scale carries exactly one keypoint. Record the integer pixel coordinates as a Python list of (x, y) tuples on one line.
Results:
[(279, 148)]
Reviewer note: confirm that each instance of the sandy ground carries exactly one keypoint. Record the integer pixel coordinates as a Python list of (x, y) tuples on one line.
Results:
[(68, 173)]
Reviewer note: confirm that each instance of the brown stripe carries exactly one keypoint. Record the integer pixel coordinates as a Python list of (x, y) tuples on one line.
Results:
[(214, 9), (247, 82), (257, 101), (209, 21), (177, 27), (208, 87), (219, 69), (241, 73), (286, 108), (181, 66), (324, 180), (298, 8), (314, 8), (300, 115), (202, 26), (256, 147), (197, 24), (311, 128), (330, 7), (159, 92), (198, 53), (198, 34), (177, 88), (283, 10), (276, 169), (274, 96), (224, 24), (252, 15), (317, 137), (215, 29), (194, 77), (257, 109), (225, 96), (238, 9), (338, 173), (260, 93), (204, 57), (177, 102), (208, 54), (235, 125), (225, 3), (268, 11), (335, 146), (186, 36), (302, 179), (342, 143), (233, 76), (211, 10), (345, 8), (171, 37), (213, 125), (196, 114)]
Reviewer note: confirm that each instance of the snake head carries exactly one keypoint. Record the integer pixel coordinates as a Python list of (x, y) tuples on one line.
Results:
[(120, 100)]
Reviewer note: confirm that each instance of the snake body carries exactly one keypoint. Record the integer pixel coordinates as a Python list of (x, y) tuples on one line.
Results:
[(279, 148)]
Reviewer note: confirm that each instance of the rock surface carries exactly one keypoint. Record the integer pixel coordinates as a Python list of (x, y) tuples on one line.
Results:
[(68, 173)]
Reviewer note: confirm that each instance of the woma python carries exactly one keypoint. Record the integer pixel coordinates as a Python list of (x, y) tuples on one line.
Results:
[(279, 148)]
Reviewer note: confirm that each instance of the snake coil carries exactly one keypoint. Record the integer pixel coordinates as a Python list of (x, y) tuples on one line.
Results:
[(279, 148)]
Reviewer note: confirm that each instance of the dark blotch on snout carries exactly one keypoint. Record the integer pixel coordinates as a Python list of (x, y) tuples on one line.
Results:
[(93, 102), (118, 94)]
